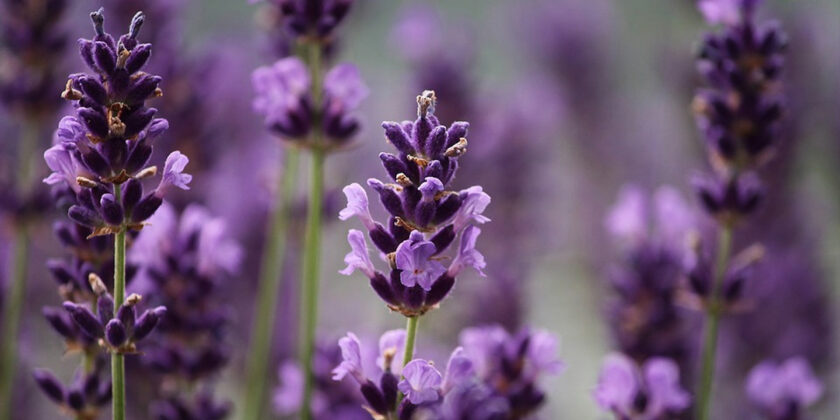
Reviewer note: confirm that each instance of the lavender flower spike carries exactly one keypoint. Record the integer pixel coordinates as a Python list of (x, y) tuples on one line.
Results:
[(426, 215)]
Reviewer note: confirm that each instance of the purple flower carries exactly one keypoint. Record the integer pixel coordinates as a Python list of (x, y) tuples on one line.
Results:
[(288, 396), (475, 200), (421, 383), (727, 12), (359, 257), (783, 390), (173, 174), (61, 160), (414, 258), (357, 205), (351, 353), (344, 88), (648, 394), (467, 254)]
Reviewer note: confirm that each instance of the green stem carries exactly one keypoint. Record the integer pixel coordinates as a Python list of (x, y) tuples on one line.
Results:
[(16, 293), (713, 313), (309, 296), (270, 274), (117, 359), (11, 320), (410, 338)]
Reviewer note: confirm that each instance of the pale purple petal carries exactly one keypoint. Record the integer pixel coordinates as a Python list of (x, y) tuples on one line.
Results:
[(662, 377), (430, 187), (357, 205), (459, 370), (392, 342), (474, 203), (542, 353), (414, 258), (421, 382), (344, 87), (359, 257), (173, 174), (351, 353), (289, 395), (468, 256), (628, 219), (618, 383)]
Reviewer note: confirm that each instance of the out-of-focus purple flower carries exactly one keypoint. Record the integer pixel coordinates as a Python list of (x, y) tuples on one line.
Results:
[(784, 390), (391, 345), (425, 216), (283, 99), (352, 354), (652, 393), (359, 257), (727, 12), (421, 382), (173, 174), (459, 370), (311, 18), (87, 393)]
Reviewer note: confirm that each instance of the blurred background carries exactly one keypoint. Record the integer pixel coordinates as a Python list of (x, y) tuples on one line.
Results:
[(569, 101)]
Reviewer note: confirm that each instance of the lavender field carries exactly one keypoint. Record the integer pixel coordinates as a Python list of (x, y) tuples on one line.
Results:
[(419, 209)]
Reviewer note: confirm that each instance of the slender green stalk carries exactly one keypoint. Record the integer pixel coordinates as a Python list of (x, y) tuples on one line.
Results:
[(410, 338), (270, 274), (713, 313), (311, 259), (118, 360), (15, 295)]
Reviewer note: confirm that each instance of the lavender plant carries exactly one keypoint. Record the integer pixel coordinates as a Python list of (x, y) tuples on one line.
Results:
[(739, 114), (311, 110), (31, 46), (102, 153), (425, 217), (183, 272)]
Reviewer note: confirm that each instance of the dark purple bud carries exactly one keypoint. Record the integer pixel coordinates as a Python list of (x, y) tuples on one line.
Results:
[(398, 232), (96, 162), (138, 58), (382, 239), (49, 384), (440, 289), (138, 157), (112, 211), (115, 333), (93, 89), (398, 137), (413, 297), (447, 207), (147, 322), (75, 400), (136, 24), (115, 150), (84, 216), (138, 120), (105, 308), (380, 285), (457, 130), (60, 271), (396, 284), (86, 51), (374, 397), (64, 234), (388, 384), (389, 198), (104, 394), (393, 165), (84, 319), (443, 238), (437, 141), (434, 170), (131, 194), (126, 315), (146, 208), (422, 128), (423, 214), (90, 386), (104, 57), (95, 121), (59, 321), (141, 89)]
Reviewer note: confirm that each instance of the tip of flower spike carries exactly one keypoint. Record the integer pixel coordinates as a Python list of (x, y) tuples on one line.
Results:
[(98, 19), (426, 103), (136, 23)]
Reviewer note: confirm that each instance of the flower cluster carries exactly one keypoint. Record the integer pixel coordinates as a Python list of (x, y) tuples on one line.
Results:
[(307, 18), (85, 397), (425, 215), (102, 151), (644, 314), (119, 333), (284, 99), (32, 42), (783, 391), (492, 373), (184, 261), (649, 392), (740, 110)]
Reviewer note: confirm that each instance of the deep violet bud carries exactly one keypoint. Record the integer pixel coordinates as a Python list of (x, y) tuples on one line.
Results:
[(784, 390), (147, 322), (115, 333), (112, 211), (729, 200), (59, 321), (306, 18), (85, 319), (49, 385), (421, 382), (146, 208), (649, 393)]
